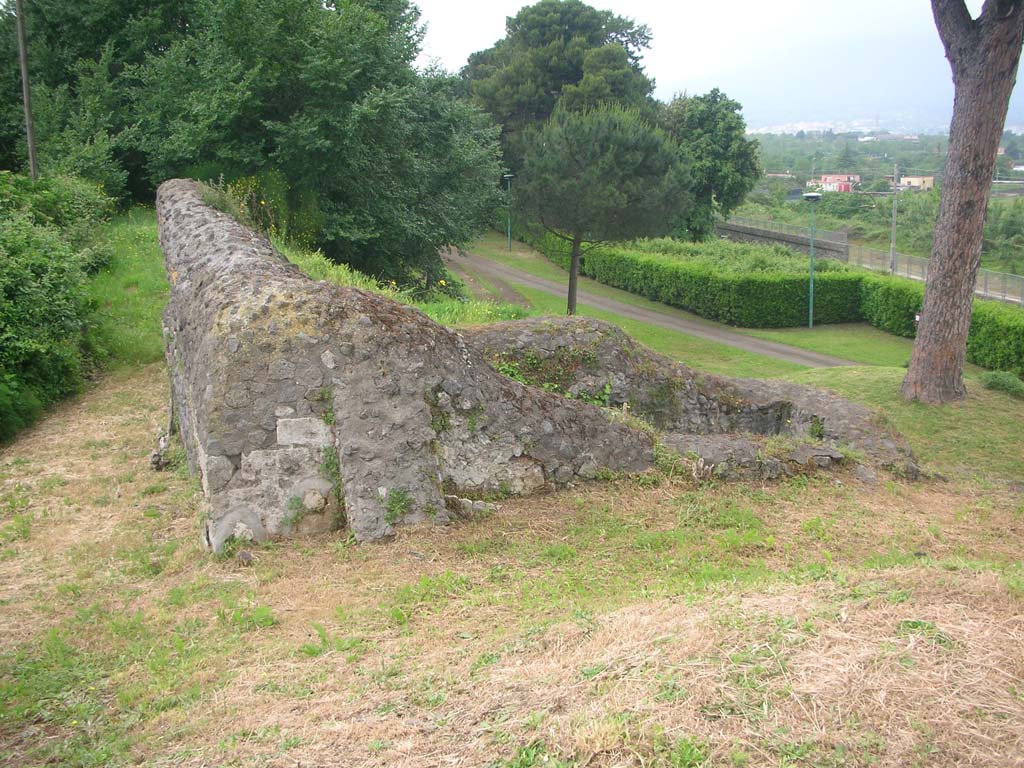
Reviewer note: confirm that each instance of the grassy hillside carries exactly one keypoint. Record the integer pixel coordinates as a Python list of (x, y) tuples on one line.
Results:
[(649, 621)]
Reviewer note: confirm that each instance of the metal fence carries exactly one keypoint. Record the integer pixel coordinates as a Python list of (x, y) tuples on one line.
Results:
[(789, 229), (1000, 286)]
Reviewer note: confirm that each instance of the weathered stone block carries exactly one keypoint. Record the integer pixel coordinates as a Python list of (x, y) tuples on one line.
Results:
[(305, 431)]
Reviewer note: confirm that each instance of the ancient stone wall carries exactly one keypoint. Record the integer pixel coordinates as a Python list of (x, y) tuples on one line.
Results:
[(302, 403), (595, 360)]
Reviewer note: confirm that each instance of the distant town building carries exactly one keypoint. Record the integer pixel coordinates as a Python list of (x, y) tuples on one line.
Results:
[(835, 182), (778, 175), (920, 183), (862, 139), (1018, 167)]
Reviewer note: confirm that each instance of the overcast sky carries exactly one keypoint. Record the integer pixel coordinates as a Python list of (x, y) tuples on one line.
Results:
[(786, 61)]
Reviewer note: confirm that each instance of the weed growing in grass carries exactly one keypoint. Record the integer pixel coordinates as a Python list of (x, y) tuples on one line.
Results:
[(687, 752), (928, 631), (534, 755), (484, 660), (20, 528), (354, 648), (592, 672), (247, 619), (670, 689)]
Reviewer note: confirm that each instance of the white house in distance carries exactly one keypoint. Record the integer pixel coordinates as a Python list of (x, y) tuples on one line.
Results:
[(835, 182), (917, 183)]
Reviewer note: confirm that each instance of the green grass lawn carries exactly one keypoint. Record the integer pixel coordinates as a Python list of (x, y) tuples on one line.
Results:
[(651, 620), (693, 351), (978, 438), (858, 342), (130, 293)]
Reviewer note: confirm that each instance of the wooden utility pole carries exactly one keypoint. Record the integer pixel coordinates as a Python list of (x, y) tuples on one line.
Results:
[(26, 91)]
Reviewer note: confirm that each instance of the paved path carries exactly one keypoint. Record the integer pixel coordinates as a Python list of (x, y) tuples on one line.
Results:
[(669, 318)]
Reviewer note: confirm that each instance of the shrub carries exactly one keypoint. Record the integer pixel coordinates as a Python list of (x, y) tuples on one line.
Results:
[(891, 303), (72, 206), (1004, 381), (47, 242), (42, 309), (996, 338)]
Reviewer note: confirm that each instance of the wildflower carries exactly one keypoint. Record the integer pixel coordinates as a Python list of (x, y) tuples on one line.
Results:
[(441, 282), (263, 202)]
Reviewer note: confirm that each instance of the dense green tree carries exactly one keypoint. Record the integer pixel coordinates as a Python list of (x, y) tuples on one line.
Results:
[(599, 175), (81, 57), (551, 46), (380, 167), (725, 163), (608, 77), (847, 159), (312, 107)]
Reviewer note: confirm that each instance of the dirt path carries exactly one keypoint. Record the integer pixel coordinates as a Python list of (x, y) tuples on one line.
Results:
[(672, 319), (494, 287)]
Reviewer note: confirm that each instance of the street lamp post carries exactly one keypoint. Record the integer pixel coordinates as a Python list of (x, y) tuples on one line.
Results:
[(508, 193), (812, 198)]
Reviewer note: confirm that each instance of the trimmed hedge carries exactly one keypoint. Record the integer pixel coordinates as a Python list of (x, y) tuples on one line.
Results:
[(756, 286), (891, 303), (996, 338), (753, 299)]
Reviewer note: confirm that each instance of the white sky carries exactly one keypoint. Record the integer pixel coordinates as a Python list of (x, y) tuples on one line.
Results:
[(784, 60)]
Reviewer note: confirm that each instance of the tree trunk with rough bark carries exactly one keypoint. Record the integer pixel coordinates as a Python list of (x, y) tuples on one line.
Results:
[(983, 54), (574, 272)]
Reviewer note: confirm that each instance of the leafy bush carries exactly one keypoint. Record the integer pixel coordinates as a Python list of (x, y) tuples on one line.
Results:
[(1004, 381), (42, 308), (47, 243), (891, 303), (996, 338), (73, 206)]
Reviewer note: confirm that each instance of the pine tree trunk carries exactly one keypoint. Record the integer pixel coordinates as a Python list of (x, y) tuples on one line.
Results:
[(983, 54), (574, 272)]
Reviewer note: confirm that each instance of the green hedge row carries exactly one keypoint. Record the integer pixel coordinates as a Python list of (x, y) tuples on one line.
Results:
[(751, 300), (753, 287), (44, 228), (753, 291), (891, 303), (996, 338)]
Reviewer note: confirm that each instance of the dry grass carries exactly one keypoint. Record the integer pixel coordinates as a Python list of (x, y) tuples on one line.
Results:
[(812, 622)]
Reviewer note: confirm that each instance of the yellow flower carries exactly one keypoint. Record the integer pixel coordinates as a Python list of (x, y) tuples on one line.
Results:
[(441, 282), (263, 202)]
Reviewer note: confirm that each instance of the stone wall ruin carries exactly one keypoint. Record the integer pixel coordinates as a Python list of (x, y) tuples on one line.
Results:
[(300, 401), (303, 405)]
